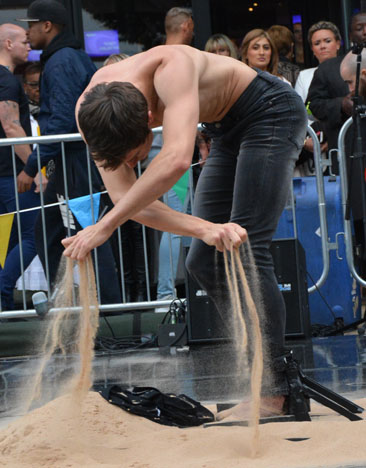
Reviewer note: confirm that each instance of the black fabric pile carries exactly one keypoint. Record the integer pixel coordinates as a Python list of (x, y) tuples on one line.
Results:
[(162, 408)]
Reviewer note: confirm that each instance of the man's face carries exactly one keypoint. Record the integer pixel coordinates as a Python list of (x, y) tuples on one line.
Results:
[(350, 78), (36, 35), (358, 29), (298, 33), (140, 153), (31, 86), (20, 48)]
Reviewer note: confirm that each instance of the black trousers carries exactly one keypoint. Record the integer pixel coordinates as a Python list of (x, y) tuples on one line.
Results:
[(246, 180)]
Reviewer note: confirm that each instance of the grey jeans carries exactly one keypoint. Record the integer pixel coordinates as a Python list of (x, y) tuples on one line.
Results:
[(246, 180)]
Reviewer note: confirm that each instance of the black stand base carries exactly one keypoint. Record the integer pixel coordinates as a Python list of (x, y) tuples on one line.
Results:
[(302, 388), (297, 404)]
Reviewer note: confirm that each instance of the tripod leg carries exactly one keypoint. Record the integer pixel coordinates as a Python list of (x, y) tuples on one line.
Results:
[(302, 388), (330, 403), (315, 387)]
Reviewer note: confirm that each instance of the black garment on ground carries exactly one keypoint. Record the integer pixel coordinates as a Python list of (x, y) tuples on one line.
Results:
[(163, 408), (325, 96), (12, 90)]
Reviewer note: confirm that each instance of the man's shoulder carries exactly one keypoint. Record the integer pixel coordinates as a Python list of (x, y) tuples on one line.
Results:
[(68, 58), (69, 54), (7, 77), (10, 86), (172, 51)]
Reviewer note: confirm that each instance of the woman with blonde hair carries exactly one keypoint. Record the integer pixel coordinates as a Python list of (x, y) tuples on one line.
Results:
[(220, 44), (114, 58)]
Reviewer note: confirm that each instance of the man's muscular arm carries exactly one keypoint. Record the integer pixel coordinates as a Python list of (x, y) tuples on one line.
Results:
[(157, 215), (10, 121), (176, 84)]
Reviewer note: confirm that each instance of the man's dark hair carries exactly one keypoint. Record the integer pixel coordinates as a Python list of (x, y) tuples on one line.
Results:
[(30, 68), (114, 120)]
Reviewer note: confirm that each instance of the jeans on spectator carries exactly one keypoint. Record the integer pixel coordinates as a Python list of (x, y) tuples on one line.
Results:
[(246, 180), (169, 251), (133, 261), (12, 267)]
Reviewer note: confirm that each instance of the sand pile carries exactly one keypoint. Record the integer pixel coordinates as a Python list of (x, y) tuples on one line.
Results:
[(104, 435), (82, 429)]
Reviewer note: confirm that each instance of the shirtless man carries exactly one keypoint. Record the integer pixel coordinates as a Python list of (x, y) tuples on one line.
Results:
[(257, 125)]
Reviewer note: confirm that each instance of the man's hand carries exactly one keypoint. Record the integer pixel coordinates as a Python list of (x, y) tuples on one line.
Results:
[(77, 247), (309, 146), (24, 182), (225, 236), (37, 181)]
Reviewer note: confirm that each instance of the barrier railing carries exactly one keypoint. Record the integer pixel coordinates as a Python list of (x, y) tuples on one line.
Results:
[(326, 244), (116, 307)]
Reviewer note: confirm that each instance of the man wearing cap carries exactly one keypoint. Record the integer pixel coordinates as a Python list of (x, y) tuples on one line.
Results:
[(66, 71)]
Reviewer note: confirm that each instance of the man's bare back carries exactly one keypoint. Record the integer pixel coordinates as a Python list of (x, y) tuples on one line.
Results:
[(221, 80), (182, 87)]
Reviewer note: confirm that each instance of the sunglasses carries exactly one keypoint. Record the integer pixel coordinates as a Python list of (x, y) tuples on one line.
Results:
[(32, 84)]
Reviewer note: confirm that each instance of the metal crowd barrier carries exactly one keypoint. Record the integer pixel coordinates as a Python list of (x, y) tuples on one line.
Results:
[(118, 307), (326, 244)]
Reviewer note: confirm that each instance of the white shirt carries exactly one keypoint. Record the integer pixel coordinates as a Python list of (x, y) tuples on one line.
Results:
[(303, 82)]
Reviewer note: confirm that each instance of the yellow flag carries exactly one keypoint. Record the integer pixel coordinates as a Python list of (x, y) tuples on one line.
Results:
[(6, 222)]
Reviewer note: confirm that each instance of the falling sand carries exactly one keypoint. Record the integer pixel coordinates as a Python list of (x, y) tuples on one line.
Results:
[(71, 329), (80, 428), (257, 365)]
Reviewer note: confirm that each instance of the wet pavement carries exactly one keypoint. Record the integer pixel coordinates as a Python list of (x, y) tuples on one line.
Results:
[(209, 373)]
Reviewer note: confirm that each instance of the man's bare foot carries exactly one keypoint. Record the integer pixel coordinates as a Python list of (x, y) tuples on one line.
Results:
[(270, 406)]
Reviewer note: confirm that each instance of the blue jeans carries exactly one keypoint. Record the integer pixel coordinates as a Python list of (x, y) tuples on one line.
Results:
[(246, 180), (12, 270), (168, 258)]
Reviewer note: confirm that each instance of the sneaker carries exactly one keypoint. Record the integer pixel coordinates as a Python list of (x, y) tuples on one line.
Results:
[(164, 309)]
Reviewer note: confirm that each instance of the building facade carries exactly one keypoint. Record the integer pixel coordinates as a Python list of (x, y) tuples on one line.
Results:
[(130, 26)]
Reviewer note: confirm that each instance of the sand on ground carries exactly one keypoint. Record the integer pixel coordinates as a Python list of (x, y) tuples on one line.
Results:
[(99, 434)]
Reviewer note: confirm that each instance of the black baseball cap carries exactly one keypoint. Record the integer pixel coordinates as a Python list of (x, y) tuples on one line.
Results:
[(46, 10)]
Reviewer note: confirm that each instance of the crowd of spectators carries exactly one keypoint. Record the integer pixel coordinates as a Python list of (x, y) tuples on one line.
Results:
[(45, 105)]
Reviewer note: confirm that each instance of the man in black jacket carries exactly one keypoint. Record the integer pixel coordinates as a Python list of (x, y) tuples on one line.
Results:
[(66, 71), (329, 99)]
